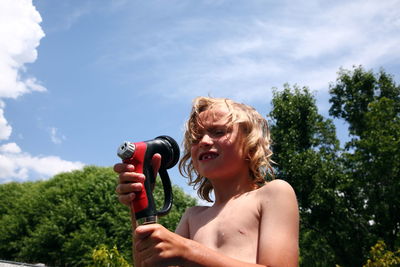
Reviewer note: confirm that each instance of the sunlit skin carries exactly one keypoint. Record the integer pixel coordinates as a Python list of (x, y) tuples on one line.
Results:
[(244, 227)]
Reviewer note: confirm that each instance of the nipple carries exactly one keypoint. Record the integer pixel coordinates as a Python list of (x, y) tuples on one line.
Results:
[(220, 239)]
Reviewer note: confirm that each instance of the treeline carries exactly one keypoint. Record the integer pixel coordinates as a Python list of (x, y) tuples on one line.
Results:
[(347, 193), (62, 221)]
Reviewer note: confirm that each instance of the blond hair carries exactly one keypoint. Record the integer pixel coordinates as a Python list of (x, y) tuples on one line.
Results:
[(256, 142)]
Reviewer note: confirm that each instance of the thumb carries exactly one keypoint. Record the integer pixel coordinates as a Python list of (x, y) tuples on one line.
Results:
[(143, 231)]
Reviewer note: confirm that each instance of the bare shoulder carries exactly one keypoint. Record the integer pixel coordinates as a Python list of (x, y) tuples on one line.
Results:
[(199, 208), (183, 228), (190, 212), (275, 187), (279, 227), (196, 209), (277, 191)]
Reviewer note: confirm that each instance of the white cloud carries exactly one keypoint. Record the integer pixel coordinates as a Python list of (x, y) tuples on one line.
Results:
[(77, 12), (55, 137), (20, 34), (20, 166), (10, 148), (5, 128), (246, 55)]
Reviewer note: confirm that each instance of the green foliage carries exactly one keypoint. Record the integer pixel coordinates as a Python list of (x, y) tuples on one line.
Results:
[(104, 257), (305, 147), (297, 126), (375, 164), (381, 257), (314, 249), (61, 221), (348, 196), (355, 90), (372, 156)]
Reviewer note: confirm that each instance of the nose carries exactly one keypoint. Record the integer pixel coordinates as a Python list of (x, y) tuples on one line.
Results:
[(206, 140)]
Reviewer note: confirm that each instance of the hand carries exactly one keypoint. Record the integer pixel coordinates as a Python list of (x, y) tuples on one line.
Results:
[(157, 246), (130, 181)]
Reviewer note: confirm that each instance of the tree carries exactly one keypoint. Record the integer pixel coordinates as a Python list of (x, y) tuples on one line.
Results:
[(370, 103), (14, 221), (348, 197), (61, 221), (355, 90), (103, 256), (335, 227), (381, 257), (305, 147)]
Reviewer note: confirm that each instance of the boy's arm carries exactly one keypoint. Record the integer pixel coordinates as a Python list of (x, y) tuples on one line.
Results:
[(160, 247), (279, 226)]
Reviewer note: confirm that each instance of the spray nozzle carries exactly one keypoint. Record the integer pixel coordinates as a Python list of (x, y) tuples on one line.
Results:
[(126, 150), (140, 154)]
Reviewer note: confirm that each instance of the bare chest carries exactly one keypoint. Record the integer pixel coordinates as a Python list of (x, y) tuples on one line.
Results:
[(232, 230)]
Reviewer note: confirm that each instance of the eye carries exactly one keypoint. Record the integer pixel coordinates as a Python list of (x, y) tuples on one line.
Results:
[(218, 132), (195, 139)]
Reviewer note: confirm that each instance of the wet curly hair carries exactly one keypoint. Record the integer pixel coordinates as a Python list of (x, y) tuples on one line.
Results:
[(256, 142)]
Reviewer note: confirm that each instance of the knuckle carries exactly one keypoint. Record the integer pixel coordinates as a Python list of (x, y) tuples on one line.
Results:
[(137, 187), (117, 189), (156, 236), (121, 200), (159, 248), (117, 168)]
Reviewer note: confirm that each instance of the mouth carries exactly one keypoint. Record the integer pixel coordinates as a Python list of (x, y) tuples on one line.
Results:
[(208, 155)]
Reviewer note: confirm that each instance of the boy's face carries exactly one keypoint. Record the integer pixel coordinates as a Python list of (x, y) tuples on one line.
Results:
[(218, 151)]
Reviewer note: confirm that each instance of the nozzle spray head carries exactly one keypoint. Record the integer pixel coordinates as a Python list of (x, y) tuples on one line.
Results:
[(126, 150)]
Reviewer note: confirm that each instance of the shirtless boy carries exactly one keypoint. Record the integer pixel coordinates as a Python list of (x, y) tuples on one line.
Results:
[(251, 223)]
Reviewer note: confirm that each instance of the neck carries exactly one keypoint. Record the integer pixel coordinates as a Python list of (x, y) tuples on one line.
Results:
[(227, 189)]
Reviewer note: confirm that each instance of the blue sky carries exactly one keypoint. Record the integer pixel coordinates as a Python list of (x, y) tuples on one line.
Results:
[(78, 77)]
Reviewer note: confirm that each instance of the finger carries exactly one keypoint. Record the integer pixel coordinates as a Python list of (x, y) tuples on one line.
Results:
[(156, 163), (143, 245), (126, 199), (147, 260), (150, 257), (128, 188), (126, 192), (131, 177), (123, 167), (144, 231)]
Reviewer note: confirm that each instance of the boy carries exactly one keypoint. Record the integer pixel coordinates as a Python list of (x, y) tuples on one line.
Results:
[(251, 223)]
